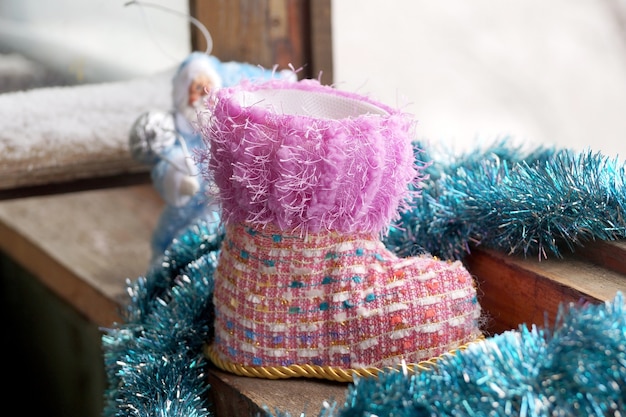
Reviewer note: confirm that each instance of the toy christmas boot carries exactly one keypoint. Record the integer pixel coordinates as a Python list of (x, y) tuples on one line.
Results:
[(309, 179)]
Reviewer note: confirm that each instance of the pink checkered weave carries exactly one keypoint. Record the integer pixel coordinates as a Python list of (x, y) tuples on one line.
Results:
[(333, 299)]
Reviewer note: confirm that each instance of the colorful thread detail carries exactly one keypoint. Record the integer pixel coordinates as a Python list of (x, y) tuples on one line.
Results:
[(339, 300)]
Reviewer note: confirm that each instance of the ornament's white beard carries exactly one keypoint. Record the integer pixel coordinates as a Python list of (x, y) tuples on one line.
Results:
[(191, 112)]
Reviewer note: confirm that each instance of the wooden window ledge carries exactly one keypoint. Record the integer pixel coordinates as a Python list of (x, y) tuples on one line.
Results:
[(83, 246)]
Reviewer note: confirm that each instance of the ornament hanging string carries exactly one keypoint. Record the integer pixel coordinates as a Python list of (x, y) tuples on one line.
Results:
[(205, 32), (209, 47)]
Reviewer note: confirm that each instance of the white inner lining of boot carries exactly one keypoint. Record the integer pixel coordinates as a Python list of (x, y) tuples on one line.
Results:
[(308, 103)]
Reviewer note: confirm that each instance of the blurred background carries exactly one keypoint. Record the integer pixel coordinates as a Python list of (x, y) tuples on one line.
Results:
[(540, 72)]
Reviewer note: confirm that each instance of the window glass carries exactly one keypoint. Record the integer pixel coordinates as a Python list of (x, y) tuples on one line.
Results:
[(544, 72)]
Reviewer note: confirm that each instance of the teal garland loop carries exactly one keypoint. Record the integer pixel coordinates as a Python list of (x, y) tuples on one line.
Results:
[(535, 202), (153, 361)]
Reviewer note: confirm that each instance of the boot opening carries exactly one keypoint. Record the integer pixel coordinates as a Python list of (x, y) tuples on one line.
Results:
[(308, 103)]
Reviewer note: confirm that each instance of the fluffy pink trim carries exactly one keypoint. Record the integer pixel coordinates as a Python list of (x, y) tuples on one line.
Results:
[(305, 156)]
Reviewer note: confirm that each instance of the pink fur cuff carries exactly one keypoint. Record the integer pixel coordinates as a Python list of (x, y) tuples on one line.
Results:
[(308, 157)]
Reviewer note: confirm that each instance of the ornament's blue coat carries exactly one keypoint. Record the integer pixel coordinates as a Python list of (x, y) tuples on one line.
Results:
[(180, 211)]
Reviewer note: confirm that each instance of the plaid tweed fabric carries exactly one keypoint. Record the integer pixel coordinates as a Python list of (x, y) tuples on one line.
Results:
[(333, 299)]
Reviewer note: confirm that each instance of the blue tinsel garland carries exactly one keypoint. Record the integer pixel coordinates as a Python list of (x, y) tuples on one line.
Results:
[(154, 360), (517, 202)]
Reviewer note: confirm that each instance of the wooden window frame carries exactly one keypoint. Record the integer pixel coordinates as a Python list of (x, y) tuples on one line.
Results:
[(269, 32)]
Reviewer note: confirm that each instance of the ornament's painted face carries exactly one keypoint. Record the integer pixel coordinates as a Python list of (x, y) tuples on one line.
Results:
[(198, 88)]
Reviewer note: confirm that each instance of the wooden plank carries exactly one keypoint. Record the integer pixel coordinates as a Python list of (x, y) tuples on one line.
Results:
[(260, 32), (516, 290), (609, 254), (63, 168), (83, 245), (234, 395), (321, 42), (52, 186)]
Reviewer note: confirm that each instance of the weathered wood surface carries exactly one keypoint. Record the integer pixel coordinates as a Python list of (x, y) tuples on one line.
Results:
[(320, 40), (243, 396), (269, 32), (515, 290), (611, 255), (71, 184), (84, 245)]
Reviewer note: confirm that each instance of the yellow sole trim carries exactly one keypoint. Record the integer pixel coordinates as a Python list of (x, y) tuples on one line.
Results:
[(333, 373)]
